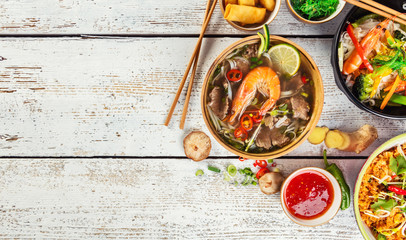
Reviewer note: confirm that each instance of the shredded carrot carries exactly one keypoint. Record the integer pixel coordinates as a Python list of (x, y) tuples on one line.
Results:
[(401, 87), (392, 90)]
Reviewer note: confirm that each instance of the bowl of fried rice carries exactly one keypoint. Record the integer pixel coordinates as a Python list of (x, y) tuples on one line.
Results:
[(380, 192)]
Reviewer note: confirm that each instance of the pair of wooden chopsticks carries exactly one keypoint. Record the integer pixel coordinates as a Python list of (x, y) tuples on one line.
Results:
[(193, 59), (380, 9)]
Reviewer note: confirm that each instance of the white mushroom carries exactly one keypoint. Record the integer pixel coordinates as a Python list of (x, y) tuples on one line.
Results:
[(271, 182)]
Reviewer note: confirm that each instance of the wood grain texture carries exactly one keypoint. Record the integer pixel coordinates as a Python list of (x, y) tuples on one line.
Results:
[(93, 97), (174, 17), (149, 199)]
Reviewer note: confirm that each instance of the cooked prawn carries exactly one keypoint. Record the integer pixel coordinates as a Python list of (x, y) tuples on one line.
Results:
[(368, 43), (263, 79)]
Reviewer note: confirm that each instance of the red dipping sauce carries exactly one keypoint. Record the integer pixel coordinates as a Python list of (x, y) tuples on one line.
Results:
[(309, 195)]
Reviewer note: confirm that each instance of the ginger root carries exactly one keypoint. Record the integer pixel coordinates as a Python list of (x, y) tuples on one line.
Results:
[(318, 135), (356, 141)]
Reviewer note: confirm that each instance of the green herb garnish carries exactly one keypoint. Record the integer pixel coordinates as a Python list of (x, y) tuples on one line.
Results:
[(384, 204), (397, 165)]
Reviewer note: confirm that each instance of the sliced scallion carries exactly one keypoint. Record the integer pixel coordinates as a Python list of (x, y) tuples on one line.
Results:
[(199, 172), (232, 170), (214, 169)]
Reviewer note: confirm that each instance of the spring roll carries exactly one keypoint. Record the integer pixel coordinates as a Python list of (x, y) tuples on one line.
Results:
[(230, 2), (268, 4), (247, 2), (244, 14)]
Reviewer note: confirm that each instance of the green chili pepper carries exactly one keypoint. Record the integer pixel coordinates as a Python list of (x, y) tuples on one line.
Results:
[(345, 189)]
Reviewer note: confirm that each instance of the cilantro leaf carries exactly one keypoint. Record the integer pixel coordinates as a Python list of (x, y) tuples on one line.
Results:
[(398, 164), (383, 204), (381, 237)]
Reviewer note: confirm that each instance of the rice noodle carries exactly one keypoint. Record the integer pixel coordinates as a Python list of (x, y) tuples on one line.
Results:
[(279, 123), (215, 120)]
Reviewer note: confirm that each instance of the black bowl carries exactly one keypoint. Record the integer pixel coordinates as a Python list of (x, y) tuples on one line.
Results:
[(354, 14)]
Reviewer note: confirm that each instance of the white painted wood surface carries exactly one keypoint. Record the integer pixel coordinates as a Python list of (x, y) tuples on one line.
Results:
[(149, 199), (72, 96), (173, 17), (93, 97)]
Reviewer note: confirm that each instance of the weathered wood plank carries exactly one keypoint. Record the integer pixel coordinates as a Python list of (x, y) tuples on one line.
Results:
[(87, 97), (149, 199), (133, 17)]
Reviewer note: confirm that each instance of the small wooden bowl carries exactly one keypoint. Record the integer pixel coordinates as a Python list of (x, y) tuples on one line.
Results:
[(316, 107), (269, 17), (340, 7)]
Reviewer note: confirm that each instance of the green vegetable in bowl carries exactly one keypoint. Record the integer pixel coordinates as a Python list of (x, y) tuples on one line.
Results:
[(314, 9)]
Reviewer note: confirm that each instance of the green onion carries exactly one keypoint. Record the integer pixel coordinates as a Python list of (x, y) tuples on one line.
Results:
[(270, 160), (283, 107), (254, 59), (226, 177), (304, 94), (214, 169), (232, 170), (260, 62), (199, 172), (254, 183), (253, 66)]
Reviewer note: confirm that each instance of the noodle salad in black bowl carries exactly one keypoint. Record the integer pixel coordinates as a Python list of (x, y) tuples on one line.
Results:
[(369, 62)]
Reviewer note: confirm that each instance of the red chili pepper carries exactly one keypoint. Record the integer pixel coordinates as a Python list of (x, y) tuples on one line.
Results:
[(393, 176), (304, 80), (234, 75), (358, 47), (397, 190), (240, 133), (273, 165), (262, 172), (260, 163), (256, 118), (246, 122), (242, 159)]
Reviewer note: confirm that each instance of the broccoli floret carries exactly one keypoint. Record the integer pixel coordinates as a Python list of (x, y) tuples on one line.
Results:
[(399, 35), (363, 86)]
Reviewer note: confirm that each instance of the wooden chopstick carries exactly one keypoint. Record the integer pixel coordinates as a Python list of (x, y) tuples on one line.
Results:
[(392, 14), (385, 8), (192, 78), (182, 83)]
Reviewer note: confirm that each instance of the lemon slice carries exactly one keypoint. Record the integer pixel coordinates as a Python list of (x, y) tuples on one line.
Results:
[(286, 58)]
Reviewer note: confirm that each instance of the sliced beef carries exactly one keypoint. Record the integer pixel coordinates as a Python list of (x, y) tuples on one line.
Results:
[(269, 121), (219, 102), (293, 84), (243, 65), (277, 138), (264, 138), (300, 107), (251, 51)]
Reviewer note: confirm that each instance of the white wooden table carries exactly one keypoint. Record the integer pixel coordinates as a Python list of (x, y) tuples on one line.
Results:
[(85, 87)]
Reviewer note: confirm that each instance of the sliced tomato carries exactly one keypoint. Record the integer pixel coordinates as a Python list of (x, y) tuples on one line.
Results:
[(246, 122), (234, 75), (240, 133), (262, 172)]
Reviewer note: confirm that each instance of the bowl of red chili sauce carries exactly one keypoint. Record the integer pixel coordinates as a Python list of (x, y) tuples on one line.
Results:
[(310, 196)]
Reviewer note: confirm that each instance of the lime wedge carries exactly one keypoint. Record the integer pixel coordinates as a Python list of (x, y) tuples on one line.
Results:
[(232, 170), (286, 58)]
